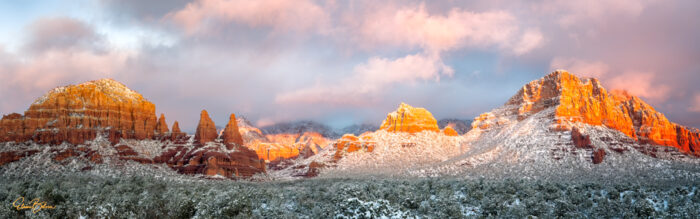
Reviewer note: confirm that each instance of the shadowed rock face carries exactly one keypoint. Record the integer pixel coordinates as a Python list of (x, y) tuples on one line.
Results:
[(409, 119), (211, 161), (176, 134), (586, 101), (206, 130), (76, 113), (161, 126)]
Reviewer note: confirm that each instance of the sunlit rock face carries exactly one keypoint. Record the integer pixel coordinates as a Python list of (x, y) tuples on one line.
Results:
[(231, 135), (449, 131), (288, 145), (350, 143), (105, 111), (206, 130), (409, 119), (586, 101), (76, 113), (284, 141)]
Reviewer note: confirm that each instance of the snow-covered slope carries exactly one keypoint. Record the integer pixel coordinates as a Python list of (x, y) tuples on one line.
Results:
[(510, 148), (531, 136), (531, 148)]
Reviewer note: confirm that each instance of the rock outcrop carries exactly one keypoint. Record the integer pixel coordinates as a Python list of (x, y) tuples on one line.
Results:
[(286, 140), (176, 134), (231, 135), (449, 131), (580, 140), (211, 161), (161, 126), (350, 143), (286, 146), (206, 130), (598, 156), (586, 101), (77, 113), (409, 119)]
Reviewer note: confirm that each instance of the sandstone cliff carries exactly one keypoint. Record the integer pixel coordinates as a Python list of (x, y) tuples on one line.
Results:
[(206, 130), (586, 101), (409, 119), (231, 135), (77, 113)]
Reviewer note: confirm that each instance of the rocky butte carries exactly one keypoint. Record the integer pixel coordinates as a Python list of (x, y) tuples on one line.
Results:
[(76, 113), (586, 101), (206, 130), (79, 113), (231, 134), (406, 119), (409, 119)]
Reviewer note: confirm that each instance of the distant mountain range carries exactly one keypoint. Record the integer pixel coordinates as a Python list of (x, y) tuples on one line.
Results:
[(558, 125)]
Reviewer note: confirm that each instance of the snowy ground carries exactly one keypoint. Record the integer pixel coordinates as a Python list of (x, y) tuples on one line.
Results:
[(78, 194)]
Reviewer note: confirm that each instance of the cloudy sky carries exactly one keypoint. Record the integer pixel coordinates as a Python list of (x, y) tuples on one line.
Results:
[(346, 62)]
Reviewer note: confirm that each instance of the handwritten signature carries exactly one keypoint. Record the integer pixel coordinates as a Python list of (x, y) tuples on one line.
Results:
[(36, 205)]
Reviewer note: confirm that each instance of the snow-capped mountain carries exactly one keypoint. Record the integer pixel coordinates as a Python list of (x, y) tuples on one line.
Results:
[(558, 126), (462, 126), (300, 127), (358, 129)]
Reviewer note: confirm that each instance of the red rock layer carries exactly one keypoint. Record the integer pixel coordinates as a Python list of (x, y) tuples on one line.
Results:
[(449, 131), (586, 101), (161, 126), (409, 119), (286, 146), (350, 143), (598, 156), (206, 130), (12, 156), (231, 135), (76, 113), (176, 134), (209, 161), (580, 140)]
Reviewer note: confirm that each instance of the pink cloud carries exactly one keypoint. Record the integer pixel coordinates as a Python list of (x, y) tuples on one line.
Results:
[(415, 27), (46, 63), (571, 13), (581, 67), (696, 104), (369, 78), (530, 40), (284, 15), (642, 84), (61, 33)]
